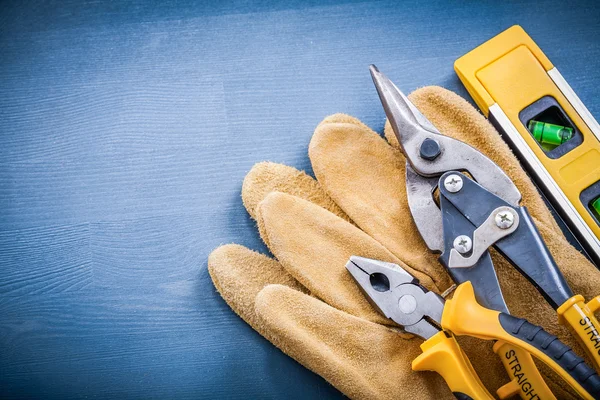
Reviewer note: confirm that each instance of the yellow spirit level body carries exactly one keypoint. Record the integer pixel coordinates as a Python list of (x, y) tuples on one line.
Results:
[(513, 83)]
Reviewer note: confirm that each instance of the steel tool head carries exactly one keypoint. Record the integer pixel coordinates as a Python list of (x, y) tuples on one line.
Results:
[(429, 155), (405, 118), (398, 295), (482, 273), (523, 246)]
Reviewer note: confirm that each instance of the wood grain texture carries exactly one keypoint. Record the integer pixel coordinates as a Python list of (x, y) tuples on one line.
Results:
[(126, 128)]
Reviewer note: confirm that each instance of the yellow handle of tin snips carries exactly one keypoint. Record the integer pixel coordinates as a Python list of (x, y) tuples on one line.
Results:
[(578, 315)]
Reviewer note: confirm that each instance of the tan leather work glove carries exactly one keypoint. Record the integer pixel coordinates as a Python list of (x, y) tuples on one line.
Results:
[(306, 303)]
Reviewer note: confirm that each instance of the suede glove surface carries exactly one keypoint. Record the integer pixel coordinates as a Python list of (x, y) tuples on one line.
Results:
[(307, 304)]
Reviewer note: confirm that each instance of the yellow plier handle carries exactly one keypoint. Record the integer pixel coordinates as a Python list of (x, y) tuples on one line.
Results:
[(464, 316), (580, 317), (442, 354)]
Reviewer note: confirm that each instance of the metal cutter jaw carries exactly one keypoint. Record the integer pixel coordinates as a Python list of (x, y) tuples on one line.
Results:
[(429, 155), (398, 295)]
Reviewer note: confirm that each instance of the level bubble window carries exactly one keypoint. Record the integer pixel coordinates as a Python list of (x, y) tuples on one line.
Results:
[(550, 126)]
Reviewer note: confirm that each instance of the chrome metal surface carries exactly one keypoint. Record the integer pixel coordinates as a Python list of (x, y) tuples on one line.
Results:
[(484, 236), (463, 244), (425, 213), (504, 220), (412, 128), (407, 303), (453, 183)]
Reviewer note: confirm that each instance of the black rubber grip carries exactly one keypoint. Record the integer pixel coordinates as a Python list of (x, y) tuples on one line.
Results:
[(555, 349), (461, 396)]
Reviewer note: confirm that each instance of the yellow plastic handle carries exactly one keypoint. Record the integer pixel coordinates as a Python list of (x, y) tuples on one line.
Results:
[(442, 354), (580, 317), (464, 316), (526, 380)]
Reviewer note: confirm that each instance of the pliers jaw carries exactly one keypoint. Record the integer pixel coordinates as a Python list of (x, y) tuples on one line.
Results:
[(398, 295)]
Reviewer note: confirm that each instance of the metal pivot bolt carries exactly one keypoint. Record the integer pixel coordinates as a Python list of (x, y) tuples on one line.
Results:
[(429, 149), (463, 244), (407, 304), (504, 219), (453, 183)]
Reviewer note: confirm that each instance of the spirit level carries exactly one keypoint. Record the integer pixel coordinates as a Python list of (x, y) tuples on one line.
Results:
[(557, 139)]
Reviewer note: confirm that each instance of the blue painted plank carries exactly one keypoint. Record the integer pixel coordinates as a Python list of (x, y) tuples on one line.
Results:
[(126, 128), (45, 260)]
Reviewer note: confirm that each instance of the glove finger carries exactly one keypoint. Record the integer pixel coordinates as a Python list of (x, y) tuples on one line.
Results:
[(240, 273), (455, 117), (366, 178), (361, 359), (267, 177), (314, 245)]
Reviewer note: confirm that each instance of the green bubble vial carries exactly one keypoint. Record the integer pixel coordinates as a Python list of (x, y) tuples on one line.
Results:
[(549, 134)]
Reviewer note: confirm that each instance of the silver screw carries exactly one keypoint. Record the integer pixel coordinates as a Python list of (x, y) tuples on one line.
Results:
[(463, 244), (504, 219), (453, 183)]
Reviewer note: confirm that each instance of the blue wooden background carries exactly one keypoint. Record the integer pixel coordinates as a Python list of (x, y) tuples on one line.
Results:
[(126, 129)]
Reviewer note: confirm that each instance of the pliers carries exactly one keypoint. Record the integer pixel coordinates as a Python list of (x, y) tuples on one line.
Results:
[(399, 296), (474, 212)]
